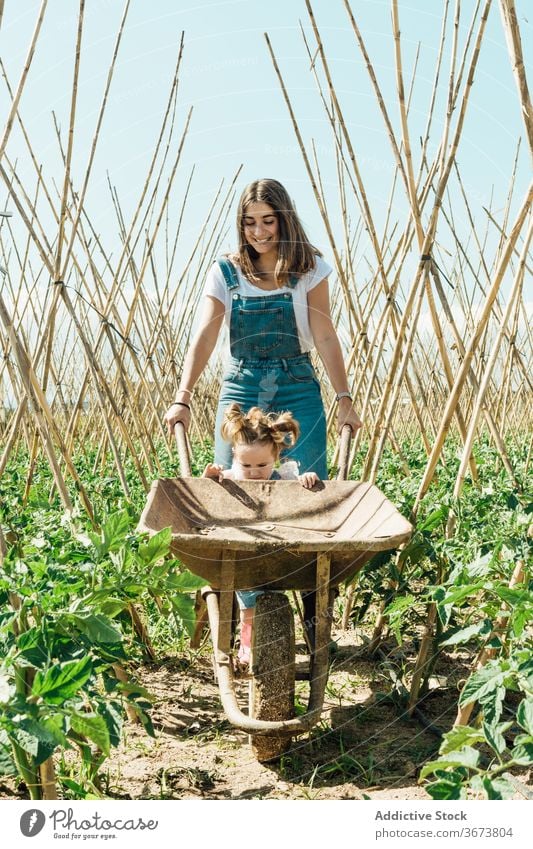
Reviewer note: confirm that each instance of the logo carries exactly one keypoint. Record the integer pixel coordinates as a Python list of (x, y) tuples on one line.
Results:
[(32, 822)]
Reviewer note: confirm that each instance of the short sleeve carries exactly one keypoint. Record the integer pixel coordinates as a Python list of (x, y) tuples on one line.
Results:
[(322, 269), (215, 285)]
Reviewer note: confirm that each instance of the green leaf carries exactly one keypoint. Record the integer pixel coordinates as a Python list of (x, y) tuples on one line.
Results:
[(514, 597), (467, 756), (480, 629), (459, 736), (445, 788), (157, 547), (481, 682), (7, 764), (113, 533), (398, 606), (183, 608), (98, 628), (111, 713), (497, 788), (111, 607), (63, 681), (524, 714), (185, 581), (519, 619), (494, 736), (522, 754), (457, 594), (92, 727), (492, 704), (435, 518), (38, 739)]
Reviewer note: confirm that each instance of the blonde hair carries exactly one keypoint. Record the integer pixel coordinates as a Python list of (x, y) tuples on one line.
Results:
[(296, 254), (277, 430)]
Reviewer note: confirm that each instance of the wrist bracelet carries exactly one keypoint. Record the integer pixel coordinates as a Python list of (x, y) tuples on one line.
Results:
[(340, 395), (179, 404)]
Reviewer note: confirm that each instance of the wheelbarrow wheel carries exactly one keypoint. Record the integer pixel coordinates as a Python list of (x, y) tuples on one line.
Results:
[(273, 672)]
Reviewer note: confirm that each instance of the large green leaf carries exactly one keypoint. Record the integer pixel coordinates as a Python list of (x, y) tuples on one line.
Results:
[(111, 713), (92, 727), (524, 714), (32, 647), (481, 682), (63, 681), (459, 736), (98, 628), (467, 756), (113, 533), (457, 594), (7, 764), (157, 547), (183, 608), (38, 739), (523, 751), (185, 581), (480, 629), (494, 736)]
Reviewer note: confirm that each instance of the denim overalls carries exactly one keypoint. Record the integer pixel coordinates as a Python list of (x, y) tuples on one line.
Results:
[(268, 370)]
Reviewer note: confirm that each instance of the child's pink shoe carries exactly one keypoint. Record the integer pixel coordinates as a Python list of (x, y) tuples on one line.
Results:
[(246, 643)]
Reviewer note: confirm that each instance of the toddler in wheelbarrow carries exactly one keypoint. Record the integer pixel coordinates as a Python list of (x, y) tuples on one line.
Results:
[(257, 439)]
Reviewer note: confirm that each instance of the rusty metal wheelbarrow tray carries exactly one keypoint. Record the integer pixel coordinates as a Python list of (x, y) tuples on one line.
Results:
[(275, 528)]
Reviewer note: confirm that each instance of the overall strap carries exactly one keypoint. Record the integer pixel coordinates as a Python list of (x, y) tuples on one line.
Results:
[(292, 281), (228, 270)]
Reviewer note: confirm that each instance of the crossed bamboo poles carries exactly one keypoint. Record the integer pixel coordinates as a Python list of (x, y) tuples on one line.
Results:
[(92, 344)]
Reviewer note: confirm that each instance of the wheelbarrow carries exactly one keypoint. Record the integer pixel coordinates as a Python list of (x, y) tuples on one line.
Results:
[(272, 535)]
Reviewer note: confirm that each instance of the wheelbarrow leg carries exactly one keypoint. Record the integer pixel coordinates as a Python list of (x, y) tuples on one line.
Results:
[(200, 610), (227, 582), (322, 621)]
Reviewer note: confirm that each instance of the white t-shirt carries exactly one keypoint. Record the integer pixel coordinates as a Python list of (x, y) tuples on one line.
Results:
[(216, 287)]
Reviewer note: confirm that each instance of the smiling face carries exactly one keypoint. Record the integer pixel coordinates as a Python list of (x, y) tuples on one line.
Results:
[(255, 461), (260, 227)]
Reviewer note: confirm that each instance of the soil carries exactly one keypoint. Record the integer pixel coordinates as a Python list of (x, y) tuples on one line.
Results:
[(364, 746)]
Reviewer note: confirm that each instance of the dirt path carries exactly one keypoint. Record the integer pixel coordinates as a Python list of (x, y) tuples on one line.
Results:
[(361, 747)]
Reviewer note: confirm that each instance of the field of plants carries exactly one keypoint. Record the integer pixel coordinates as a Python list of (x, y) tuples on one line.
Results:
[(90, 617), (430, 690)]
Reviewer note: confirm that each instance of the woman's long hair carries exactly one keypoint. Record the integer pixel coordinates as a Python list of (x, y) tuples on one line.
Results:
[(296, 254)]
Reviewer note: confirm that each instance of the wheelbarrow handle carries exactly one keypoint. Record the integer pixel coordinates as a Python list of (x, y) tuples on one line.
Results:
[(344, 452), (183, 450)]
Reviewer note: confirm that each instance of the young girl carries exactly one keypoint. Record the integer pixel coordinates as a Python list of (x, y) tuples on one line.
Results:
[(257, 439)]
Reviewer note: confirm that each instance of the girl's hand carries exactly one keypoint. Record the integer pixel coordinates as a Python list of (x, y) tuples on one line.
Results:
[(346, 415), (214, 471), (308, 479), (177, 413)]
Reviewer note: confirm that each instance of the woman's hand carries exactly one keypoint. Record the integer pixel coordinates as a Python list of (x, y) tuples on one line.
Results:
[(214, 471), (346, 415), (177, 413), (308, 479)]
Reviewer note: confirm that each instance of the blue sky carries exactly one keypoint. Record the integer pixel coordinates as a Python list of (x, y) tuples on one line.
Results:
[(239, 114)]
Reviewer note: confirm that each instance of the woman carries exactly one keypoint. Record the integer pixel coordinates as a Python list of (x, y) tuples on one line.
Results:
[(273, 295)]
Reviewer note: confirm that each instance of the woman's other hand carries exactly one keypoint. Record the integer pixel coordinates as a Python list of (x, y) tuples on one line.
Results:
[(346, 415), (308, 479), (177, 413)]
